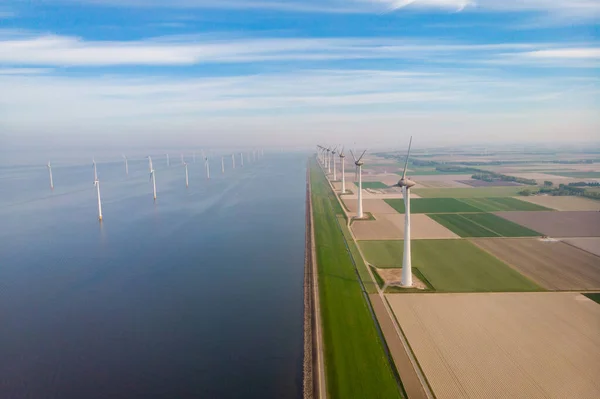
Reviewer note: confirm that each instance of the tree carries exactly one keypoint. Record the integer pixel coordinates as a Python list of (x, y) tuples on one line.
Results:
[(548, 183), (526, 192)]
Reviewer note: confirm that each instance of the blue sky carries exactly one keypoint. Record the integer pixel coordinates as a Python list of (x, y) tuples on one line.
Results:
[(293, 72)]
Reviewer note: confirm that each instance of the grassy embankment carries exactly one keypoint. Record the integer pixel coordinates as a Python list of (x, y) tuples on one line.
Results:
[(450, 265), (355, 360)]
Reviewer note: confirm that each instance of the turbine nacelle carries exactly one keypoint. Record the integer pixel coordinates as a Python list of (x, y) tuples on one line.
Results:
[(406, 182)]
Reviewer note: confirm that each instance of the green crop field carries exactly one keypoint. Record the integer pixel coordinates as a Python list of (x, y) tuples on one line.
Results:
[(503, 204), (462, 226), (355, 361), (450, 265), (375, 185), (474, 192), (432, 205), (579, 175), (499, 225), (594, 296)]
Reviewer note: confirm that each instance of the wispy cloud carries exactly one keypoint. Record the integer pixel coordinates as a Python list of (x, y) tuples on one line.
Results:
[(51, 50)]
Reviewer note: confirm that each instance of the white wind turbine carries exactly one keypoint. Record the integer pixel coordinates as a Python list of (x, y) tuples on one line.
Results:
[(242, 159), (333, 159), (233, 161), (359, 163), (223, 164), (328, 160), (126, 165), (168, 160), (187, 184), (152, 176), (342, 156), (206, 165), (95, 171), (406, 184), (50, 173), (97, 185)]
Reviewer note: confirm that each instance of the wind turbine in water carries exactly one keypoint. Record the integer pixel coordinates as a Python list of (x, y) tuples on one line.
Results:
[(241, 159), (406, 184), (233, 161), (187, 184), (97, 185), (50, 173), (207, 166), (359, 163), (223, 164), (342, 156), (152, 176), (168, 160), (95, 171), (126, 165)]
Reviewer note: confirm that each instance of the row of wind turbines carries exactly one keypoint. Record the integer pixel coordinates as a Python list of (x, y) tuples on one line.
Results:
[(326, 156), (252, 156)]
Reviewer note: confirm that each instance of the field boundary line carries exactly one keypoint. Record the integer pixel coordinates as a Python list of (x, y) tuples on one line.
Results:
[(482, 226)]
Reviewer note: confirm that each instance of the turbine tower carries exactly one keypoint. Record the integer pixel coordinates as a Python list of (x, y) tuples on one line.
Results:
[(207, 167), (50, 173), (359, 163), (126, 165), (97, 184), (95, 171), (233, 161), (152, 176), (222, 164), (333, 159), (406, 184), (168, 160), (328, 161), (187, 184), (242, 159), (342, 156)]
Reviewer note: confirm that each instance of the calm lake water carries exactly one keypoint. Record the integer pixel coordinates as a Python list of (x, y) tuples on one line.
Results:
[(198, 295)]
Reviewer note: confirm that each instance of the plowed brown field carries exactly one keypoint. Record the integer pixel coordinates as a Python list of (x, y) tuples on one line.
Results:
[(589, 244), (504, 345), (391, 227), (552, 264), (558, 224)]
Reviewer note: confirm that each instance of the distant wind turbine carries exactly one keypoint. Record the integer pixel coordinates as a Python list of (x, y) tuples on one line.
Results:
[(342, 156), (97, 184), (95, 171), (241, 159), (333, 160), (186, 176), (223, 164), (233, 161), (50, 172), (207, 165), (359, 163), (168, 160), (406, 184), (126, 165), (152, 177)]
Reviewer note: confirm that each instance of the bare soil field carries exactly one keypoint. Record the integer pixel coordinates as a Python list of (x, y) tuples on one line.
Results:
[(377, 206), (563, 203), (558, 224), (589, 244), (504, 345), (393, 277), (391, 227), (441, 181), (552, 264), (482, 183)]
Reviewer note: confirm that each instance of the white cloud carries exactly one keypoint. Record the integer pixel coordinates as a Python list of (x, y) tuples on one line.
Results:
[(52, 50), (566, 53)]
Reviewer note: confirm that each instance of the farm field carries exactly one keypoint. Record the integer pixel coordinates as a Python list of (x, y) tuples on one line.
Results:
[(580, 175), (377, 206), (564, 203), (558, 224), (589, 244), (376, 185), (495, 183), (391, 227), (432, 205), (449, 265), (503, 204), (504, 345), (468, 192), (355, 360), (482, 225), (552, 264)]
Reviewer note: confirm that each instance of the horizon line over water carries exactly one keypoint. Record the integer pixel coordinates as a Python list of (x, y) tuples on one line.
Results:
[(198, 294)]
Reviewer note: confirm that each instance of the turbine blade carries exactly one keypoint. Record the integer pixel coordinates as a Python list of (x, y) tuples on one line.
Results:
[(407, 154), (351, 152), (363, 154)]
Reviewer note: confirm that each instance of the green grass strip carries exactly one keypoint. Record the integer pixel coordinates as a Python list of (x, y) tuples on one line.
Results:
[(355, 360), (503, 204), (375, 185), (358, 260)]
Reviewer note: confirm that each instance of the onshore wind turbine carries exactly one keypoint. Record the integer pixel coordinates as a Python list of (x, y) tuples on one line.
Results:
[(50, 172), (342, 156), (406, 184), (152, 176), (333, 159), (97, 184), (186, 176), (126, 166), (328, 161), (359, 163)]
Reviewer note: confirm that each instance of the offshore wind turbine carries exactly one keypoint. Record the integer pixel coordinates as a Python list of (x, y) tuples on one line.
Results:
[(152, 176), (342, 156), (359, 163), (126, 165), (233, 161), (50, 173), (223, 164), (242, 159), (406, 184), (168, 160), (95, 171), (206, 164), (187, 184), (97, 185)]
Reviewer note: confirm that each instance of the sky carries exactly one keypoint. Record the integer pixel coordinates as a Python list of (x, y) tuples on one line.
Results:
[(298, 72)]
